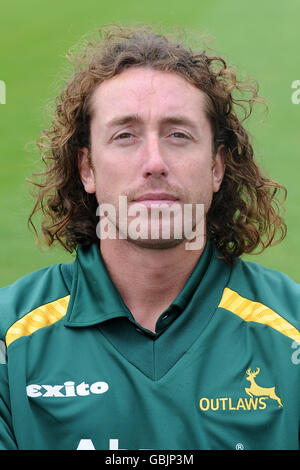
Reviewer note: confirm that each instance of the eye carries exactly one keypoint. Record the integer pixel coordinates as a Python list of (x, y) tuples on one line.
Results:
[(124, 139), (180, 135), (123, 135)]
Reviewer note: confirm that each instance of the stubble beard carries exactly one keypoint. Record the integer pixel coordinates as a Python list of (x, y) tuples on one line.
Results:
[(175, 236), (173, 225)]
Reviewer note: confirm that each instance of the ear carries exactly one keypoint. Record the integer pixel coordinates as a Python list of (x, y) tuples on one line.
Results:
[(219, 168), (86, 170)]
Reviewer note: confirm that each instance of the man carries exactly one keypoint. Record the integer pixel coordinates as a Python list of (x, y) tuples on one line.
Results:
[(152, 342)]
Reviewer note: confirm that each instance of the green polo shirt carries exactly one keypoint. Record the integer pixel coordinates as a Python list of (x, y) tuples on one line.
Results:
[(221, 370), (152, 353)]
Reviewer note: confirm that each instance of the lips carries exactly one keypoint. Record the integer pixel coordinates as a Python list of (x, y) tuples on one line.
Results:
[(160, 197)]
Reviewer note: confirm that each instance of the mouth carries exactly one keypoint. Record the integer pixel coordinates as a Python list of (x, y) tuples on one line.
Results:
[(149, 199)]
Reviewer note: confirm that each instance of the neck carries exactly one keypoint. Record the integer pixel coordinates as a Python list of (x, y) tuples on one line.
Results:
[(148, 279)]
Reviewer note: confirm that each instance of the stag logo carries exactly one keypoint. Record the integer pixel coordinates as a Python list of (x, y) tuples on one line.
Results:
[(256, 400), (257, 391)]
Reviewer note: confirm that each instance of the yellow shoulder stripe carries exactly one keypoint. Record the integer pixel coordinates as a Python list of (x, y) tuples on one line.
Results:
[(40, 317), (249, 310)]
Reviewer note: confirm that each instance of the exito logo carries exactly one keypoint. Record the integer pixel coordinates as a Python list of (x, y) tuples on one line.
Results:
[(257, 401), (2, 92)]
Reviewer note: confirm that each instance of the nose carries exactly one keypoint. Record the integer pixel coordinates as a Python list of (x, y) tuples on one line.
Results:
[(154, 164)]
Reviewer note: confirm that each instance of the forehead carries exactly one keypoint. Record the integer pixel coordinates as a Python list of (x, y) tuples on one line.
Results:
[(143, 90)]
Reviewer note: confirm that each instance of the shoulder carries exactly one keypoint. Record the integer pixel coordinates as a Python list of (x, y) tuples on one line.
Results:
[(263, 295), (34, 296), (263, 283)]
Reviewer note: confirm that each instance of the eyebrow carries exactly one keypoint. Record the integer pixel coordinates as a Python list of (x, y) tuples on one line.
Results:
[(121, 120), (136, 119)]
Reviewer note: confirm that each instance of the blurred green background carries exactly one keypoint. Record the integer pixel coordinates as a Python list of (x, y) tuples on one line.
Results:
[(260, 38)]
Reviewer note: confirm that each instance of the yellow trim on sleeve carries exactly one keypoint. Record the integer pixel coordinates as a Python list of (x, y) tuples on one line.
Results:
[(40, 317), (249, 310)]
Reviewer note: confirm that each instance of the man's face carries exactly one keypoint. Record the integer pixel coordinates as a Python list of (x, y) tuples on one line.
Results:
[(150, 141)]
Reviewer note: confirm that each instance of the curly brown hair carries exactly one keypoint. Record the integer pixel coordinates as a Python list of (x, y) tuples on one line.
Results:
[(245, 212)]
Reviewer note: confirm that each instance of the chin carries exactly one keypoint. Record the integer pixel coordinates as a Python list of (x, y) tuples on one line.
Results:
[(156, 244)]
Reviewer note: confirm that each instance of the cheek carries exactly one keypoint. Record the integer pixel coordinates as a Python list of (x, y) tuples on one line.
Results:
[(198, 178), (112, 180)]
